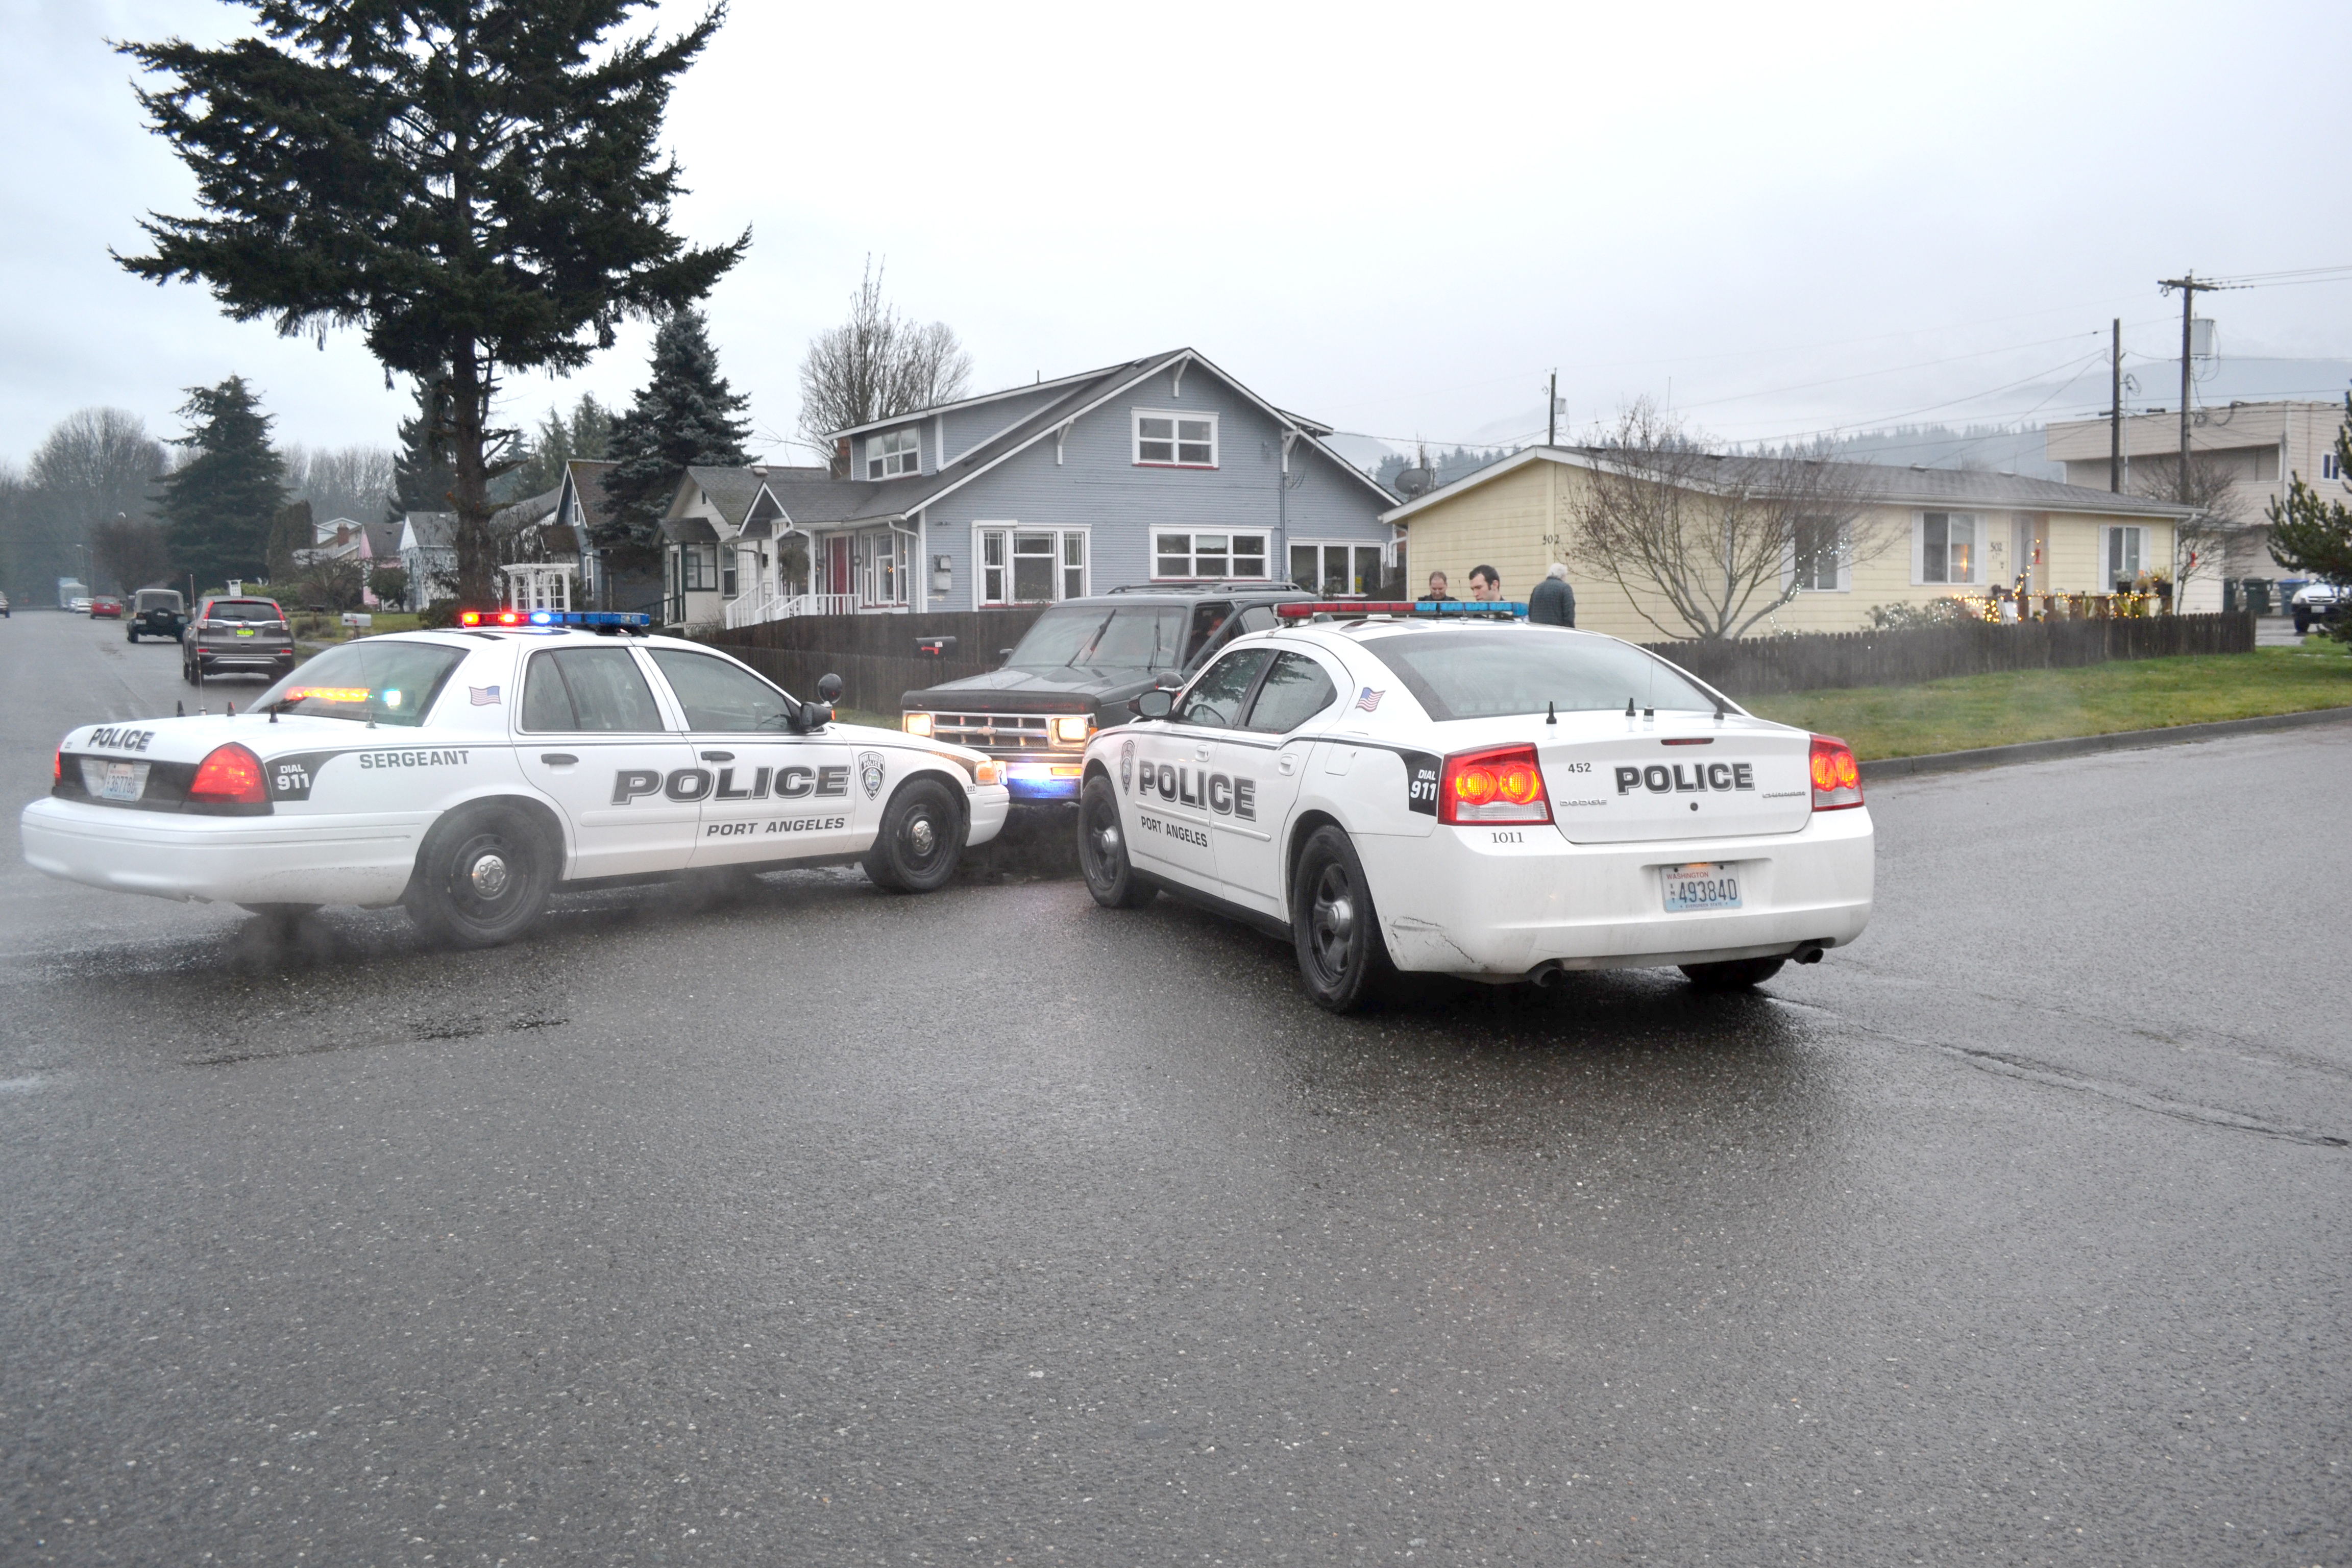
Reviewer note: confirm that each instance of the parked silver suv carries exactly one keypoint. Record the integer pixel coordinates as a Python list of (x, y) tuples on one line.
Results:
[(2315, 602)]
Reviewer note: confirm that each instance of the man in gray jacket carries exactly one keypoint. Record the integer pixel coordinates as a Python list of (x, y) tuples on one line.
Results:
[(1553, 602)]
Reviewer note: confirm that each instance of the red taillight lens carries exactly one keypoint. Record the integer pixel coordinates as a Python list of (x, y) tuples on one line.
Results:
[(57, 769), (231, 776), (1505, 784), (1837, 780)]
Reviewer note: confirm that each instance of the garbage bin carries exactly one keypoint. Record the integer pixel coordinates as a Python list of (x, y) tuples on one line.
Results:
[(2230, 596), (2258, 596)]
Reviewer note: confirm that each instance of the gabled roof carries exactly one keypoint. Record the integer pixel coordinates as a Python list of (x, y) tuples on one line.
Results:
[(963, 403), (382, 539), (428, 531), (584, 479), (1877, 482)]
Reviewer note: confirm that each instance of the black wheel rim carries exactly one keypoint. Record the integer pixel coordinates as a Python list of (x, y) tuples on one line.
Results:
[(923, 840), (1100, 843), (1331, 922), (489, 878)]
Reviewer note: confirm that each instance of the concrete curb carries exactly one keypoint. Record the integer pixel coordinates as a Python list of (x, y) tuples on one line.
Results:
[(2081, 745)]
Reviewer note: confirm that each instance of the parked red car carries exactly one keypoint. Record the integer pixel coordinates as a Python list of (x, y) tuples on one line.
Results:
[(106, 605)]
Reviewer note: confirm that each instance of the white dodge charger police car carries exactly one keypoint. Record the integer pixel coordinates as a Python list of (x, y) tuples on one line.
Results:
[(1437, 791), (464, 773)]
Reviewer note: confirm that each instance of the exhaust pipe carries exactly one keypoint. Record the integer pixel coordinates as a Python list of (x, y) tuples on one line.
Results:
[(1544, 973), (1809, 953)]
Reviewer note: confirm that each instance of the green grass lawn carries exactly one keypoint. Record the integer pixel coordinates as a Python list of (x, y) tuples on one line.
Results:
[(1972, 711)]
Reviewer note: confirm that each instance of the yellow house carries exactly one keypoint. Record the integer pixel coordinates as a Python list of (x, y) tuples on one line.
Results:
[(1918, 534)]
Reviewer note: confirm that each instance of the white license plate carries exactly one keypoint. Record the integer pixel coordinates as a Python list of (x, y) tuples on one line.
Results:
[(114, 780), (1705, 886)]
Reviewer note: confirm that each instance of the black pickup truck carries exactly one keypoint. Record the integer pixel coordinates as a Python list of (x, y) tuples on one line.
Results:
[(1076, 669)]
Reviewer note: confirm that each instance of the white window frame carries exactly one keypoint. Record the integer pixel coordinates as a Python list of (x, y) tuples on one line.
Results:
[(1073, 579), (894, 453), (2140, 555), (1191, 552), (879, 564), (1919, 578), (1350, 546), (1844, 584), (693, 563), (1176, 441)]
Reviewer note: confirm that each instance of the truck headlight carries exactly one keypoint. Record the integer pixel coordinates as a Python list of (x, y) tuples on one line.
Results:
[(917, 724), (1072, 729)]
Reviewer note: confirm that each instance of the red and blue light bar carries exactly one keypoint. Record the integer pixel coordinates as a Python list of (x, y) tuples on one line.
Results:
[(1438, 608), (592, 620)]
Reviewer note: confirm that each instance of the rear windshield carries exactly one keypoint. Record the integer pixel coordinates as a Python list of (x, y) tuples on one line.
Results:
[(1134, 637), (159, 599), (375, 679), (244, 610), (1465, 674)]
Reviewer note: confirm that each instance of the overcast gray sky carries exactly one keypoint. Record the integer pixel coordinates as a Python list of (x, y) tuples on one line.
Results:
[(1397, 219)]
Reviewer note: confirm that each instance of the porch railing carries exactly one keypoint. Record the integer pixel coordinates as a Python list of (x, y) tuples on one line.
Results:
[(749, 611)]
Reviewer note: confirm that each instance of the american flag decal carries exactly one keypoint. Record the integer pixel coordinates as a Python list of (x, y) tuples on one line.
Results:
[(1371, 700), (484, 696)]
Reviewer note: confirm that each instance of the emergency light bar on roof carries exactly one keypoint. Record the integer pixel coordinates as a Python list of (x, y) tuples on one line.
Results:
[(1433, 608), (589, 620)]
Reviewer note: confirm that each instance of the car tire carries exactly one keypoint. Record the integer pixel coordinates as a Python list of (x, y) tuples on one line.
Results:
[(1333, 925), (482, 879), (922, 839), (2302, 624), (1110, 875), (1732, 975), (135, 636)]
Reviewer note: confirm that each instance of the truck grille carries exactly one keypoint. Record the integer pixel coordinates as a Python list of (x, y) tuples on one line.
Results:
[(995, 731)]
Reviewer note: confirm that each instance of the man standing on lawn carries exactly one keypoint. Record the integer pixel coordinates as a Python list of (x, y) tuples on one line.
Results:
[(1553, 602)]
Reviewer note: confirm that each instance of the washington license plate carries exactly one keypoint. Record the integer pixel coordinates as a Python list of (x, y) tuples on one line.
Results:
[(1703, 886), (114, 780)]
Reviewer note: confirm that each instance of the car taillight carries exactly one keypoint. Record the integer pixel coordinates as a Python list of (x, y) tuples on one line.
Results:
[(231, 776), (1837, 780), (57, 769), (1505, 784)]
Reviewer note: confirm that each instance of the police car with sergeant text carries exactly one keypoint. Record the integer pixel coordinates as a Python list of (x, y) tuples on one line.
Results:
[(1431, 788), (466, 774)]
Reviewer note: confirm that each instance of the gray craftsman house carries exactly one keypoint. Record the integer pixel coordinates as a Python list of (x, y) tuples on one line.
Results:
[(1164, 469)]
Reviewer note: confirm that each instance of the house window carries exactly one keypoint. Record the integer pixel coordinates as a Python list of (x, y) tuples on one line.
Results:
[(697, 568), (1947, 547), (2328, 466), (1176, 440), (878, 562), (1032, 565), (1336, 569), (889, 456), (1209, 555), (2125, 548), (726, 578), (1820, 548)]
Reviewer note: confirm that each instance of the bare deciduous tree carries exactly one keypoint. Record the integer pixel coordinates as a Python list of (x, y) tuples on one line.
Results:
[(129, 555), (1705, 544), (874, 365), (340, 481), (2202, 544)]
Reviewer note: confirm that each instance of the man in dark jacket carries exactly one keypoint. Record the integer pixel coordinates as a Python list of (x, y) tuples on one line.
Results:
[(1553, 602)]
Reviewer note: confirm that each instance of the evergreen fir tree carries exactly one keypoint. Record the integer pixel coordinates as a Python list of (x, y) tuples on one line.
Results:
[(587, 434), (291, 529), (422, 476), (218, 506), (686, 417)]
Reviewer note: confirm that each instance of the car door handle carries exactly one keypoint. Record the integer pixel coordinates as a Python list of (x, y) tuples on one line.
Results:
[(1200, 754), (1287, 763), (558, 759), (717, 756)]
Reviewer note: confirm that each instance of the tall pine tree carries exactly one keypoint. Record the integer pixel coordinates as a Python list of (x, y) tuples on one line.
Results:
[(476, 184), (686, 417), (219, 505), (422, 476)]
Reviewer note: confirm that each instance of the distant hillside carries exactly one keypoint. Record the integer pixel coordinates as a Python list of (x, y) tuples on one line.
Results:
[(1992, 448)]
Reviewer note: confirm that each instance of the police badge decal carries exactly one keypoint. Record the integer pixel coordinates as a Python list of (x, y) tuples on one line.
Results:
[(1125, 765), (870, 773)]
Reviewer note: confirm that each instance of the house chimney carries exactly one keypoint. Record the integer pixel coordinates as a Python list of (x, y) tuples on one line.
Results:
[(841, 458)]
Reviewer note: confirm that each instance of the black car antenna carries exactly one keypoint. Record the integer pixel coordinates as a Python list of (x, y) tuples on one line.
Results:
[(1551, 712)]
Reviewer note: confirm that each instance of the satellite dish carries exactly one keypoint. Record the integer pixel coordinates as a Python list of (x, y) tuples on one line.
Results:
[(1412, 482)]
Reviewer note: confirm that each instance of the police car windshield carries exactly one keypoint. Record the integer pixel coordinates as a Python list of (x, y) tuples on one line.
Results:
[(1458, 673), (243, 610), (388, 682), (1137, 637)]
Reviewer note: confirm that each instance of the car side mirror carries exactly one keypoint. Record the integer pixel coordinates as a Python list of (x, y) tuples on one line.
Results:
[(815, 715), (1155, 704), (1168, 680), (1003, 654), (829, 687)]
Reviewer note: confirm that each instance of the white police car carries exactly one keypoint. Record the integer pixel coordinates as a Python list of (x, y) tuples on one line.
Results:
[(466, 774), (1470, 796)]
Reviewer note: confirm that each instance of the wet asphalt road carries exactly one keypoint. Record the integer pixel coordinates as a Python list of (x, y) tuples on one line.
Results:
[(833, 1227)]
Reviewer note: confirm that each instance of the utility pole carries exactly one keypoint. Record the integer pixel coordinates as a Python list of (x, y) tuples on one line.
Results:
[(2188, 286), (1551, 412), (2115, 413)]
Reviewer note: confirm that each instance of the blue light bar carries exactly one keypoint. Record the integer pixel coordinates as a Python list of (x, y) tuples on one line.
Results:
[(1471, 607)]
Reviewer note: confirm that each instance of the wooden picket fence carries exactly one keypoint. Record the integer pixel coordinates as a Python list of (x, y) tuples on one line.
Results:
[(875, 655), (1762, 666)]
